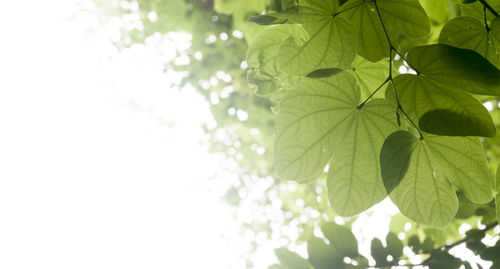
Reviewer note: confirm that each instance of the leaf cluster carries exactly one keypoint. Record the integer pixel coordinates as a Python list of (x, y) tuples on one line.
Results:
[(327, 63)]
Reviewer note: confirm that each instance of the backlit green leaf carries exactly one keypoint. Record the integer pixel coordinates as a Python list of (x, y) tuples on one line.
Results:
[(313, 119), (331, 43), (372, 42), (341, 239), (464, 163), (441, 110), (469, 33), (370, 75), (354, 180), (456, 68), (407, 17), (378, 251), (319, 117), (291, 260), (422, 193), (323, 256), (263, 74), (394, 246), (476, 9)]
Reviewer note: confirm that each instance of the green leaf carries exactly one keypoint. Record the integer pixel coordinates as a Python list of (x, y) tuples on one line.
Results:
[(441, 110), (443, 260), (469, 33), (341, 239), (423, 193), (263, 74), (497, 196), (266, 20), (414, 243), (372, 42), (394, 246), (332, 43), (465, 207), (407, 17), (320, 117), (313, 118), (323, 73), (354, 180), (427, 245), (464, 163), (323, 256), (476, 9), (378, 251), (291, 260), (456, 68), (370, 75)]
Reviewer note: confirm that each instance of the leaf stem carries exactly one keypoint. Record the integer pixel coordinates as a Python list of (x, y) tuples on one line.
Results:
[(486, 5), (390, 78), (485, 20), (351, 7), (441, 248), (373, 93)]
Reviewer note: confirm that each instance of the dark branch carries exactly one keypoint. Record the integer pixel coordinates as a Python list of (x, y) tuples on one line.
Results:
[(486, 5)]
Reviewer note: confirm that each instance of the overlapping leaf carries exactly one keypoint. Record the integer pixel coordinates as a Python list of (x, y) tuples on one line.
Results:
[(372, 42), (323, 256), (290, 260), (318, 118), (441, 110), (407, 17), (331, 43), (342, 243), (263, 73), (341, 239), (370, 75), (469, 33), (458, 68), (476, 9), (419, 186)]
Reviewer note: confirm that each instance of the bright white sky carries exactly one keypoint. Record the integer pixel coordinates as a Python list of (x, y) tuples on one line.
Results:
[(90, 176)]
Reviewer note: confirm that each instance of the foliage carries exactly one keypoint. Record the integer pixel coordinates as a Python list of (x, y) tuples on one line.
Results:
[(321, 118), (385, 95)]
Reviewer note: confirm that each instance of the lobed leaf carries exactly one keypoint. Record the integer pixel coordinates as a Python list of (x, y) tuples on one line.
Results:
[(469, 33), (332, 44), (341, 239), (456, 68), (291, 260), (354, 180), (407, 17), (370, 75), (372, 42), (441, 110), (422, 193), (323, 256), (320, 118), (263, 74)]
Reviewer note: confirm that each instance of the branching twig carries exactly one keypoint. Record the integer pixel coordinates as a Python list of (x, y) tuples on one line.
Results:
[(441, 248), (390, 77), (486, 5)]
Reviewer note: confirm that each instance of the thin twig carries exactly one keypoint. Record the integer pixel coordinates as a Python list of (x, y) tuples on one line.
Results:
[(486, 5)]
